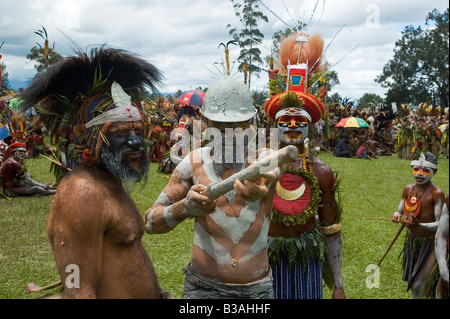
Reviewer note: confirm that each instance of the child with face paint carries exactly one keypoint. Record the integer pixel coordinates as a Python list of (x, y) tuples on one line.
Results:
[(420, 211)]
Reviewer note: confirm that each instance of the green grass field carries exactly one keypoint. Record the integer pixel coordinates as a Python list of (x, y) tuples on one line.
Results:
[(369, 189)]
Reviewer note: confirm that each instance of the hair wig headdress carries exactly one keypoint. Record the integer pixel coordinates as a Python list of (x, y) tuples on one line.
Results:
[(91, 91)]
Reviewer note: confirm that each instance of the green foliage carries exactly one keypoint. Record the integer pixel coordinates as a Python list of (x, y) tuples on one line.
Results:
[(298, 248), (248, 37), (419, 70), (369, 100), (4, 78), (259, 97), (37, 54), (26, 256)]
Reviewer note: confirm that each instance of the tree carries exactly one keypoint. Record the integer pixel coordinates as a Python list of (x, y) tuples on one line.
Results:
[(260, 97), (335, 98), (247, 38), (4, 78), (44, 56), (369, 99), (419, 70), (332, 79), (4, 82), (37, 55)]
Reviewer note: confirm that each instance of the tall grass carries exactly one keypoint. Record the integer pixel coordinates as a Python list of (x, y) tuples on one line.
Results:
[(369, 189)]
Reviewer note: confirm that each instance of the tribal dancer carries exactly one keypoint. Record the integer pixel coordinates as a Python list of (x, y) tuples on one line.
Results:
[(229, 253), (441, 243), (420, 211), (94, 227), (299, 243)]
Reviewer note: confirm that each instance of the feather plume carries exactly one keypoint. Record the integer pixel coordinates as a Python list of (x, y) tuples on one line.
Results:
[(120, 98), (311, 51), (61, 90)]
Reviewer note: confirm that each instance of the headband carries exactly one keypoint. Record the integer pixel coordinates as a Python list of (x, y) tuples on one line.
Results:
[(423, 162), (125, 111), (293, 111)]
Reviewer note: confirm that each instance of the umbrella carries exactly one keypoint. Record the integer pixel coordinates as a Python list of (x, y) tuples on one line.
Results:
[(193, 97), (352, 122), (4, 132)]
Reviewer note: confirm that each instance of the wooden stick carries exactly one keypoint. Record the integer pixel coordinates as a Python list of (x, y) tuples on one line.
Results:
[(8, 198), (387, 250), (365, 197), (326, 149), (33, 288), (268, 163)]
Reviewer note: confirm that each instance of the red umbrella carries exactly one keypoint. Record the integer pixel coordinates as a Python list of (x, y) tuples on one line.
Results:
[(193, 97)]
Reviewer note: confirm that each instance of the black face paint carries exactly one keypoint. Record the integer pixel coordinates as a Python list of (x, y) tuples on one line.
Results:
[(126, 135), (126, 156)]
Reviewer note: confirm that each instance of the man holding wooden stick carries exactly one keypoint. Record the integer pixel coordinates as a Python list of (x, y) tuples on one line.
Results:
[(419, 211), (229, 253)]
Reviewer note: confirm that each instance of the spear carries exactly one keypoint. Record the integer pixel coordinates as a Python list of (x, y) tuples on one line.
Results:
[(387, 250)]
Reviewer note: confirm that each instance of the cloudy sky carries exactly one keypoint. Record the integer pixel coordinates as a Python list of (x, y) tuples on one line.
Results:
[(181, 37)]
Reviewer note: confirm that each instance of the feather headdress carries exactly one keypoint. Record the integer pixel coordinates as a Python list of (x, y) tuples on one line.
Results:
[(77, 90), (299, 58), (310, 51)]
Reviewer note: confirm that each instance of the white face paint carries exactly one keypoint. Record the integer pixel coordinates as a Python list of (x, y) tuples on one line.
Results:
[(292, 129), (423, 170), (422, 174), (20, 153)]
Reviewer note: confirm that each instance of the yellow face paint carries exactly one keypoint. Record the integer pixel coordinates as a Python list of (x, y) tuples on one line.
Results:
[(422, 170), (292, 121)]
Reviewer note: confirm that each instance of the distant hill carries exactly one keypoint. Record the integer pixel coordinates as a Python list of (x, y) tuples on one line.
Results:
[(17, 84)]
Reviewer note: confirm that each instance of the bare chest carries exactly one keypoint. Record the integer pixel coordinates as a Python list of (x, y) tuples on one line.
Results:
[(125, 225)]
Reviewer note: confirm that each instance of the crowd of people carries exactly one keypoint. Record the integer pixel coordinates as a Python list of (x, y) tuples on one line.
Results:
[(21, 137), (406, 132), (272, 235)]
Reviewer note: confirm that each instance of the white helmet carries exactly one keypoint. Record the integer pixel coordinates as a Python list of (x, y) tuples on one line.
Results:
[(228, 100)]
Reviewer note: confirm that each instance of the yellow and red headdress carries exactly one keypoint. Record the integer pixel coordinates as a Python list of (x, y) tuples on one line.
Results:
[(295, 95)]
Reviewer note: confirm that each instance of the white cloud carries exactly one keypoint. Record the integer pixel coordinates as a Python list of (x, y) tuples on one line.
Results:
[(182, 39)]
